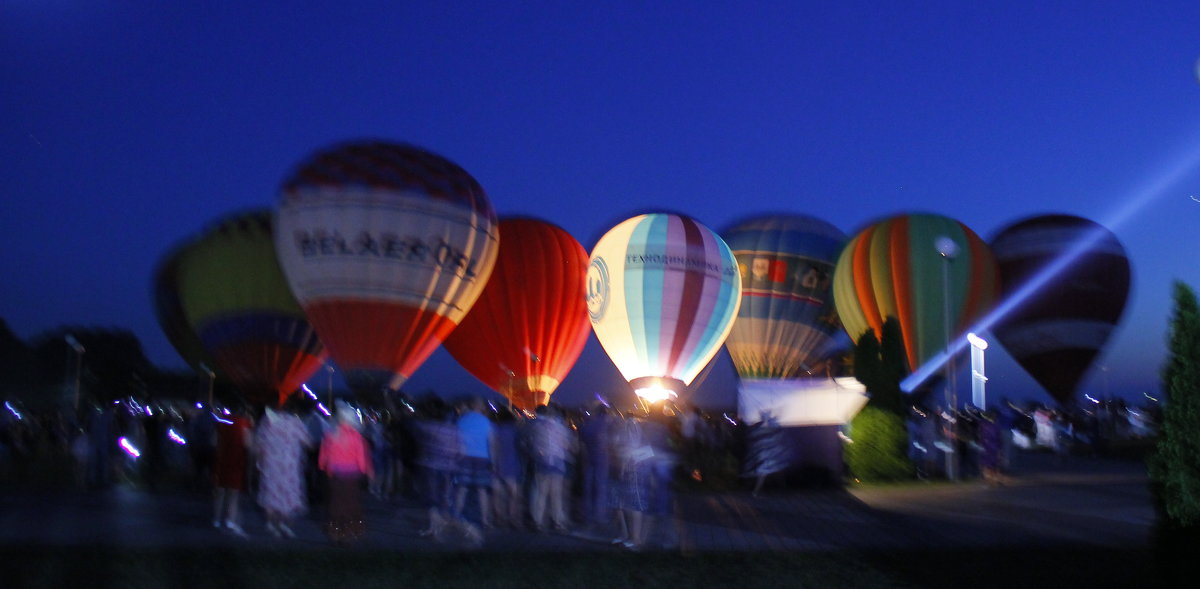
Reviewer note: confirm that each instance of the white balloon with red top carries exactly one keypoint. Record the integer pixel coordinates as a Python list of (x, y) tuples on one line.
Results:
[(386, 246)]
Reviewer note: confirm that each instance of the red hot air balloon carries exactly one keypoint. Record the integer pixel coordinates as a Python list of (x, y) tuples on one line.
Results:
[(530, 324), (387, 247), (1057, 332)]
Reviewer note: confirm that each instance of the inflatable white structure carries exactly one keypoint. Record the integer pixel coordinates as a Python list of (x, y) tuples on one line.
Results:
[(802, 401), (811, 412)]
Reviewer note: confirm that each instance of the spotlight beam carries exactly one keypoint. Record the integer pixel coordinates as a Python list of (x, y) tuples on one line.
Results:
[(1156, 189)]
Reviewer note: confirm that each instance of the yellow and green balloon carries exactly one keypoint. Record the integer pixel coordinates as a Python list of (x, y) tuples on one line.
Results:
[(233, 294)]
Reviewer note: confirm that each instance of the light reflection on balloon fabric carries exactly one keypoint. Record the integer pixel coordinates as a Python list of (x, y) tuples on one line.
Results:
[(1157, 188)]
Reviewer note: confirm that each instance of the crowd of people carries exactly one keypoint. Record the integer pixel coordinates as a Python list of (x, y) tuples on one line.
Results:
[(972, 443), (473, 465), (477, 465)]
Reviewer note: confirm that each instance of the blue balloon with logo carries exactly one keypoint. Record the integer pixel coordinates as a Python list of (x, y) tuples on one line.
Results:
[(787, 326)]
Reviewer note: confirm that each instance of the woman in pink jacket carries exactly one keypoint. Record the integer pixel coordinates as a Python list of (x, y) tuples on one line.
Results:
[(345, 459)]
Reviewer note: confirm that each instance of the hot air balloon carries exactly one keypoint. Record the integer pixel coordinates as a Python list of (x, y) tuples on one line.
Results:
[(787, 325), (527, 329), (233, 293), (386, 246), (1075, 275), (662, 294), (904, 267), (168, 307)]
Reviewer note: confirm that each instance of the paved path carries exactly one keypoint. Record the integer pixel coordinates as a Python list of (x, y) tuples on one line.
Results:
[(1080, 503)]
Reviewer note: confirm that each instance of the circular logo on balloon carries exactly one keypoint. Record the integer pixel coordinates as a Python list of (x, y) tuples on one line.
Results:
[(597, 289)]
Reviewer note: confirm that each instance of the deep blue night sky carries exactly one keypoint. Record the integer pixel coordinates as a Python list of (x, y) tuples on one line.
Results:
[(128, 126)]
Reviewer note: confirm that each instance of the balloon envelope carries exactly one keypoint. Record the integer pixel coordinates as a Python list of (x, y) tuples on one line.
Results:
[(234, 293), (168, 308), (386, 246), (662, 294), (1059, 330), (896, 268), (787, 325), (527, 329)]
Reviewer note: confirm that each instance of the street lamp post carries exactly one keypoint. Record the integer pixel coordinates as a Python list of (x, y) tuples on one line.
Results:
[(948, 249), (329, 382), (211, 377), (79, 350), (978, 378)]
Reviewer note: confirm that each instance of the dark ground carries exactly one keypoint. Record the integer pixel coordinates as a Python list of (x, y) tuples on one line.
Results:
[(1082, 522)]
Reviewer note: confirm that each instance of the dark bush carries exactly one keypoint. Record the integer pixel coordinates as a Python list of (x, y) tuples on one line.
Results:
[(877, 453)]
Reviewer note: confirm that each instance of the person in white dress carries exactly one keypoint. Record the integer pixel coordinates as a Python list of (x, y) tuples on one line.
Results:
[(281, 439)]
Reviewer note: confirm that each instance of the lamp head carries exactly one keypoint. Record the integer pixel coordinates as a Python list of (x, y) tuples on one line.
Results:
[(947, 247)]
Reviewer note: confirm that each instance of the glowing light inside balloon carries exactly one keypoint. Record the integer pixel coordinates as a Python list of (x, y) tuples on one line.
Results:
[(655, 394)]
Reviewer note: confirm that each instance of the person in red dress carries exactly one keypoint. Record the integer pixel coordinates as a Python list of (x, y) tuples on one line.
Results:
[(229, 474)]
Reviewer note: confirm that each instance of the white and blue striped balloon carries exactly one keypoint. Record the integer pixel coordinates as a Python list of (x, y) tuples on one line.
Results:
[(663, 291)]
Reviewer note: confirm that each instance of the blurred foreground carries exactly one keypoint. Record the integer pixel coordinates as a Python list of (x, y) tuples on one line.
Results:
[(1065, 521)]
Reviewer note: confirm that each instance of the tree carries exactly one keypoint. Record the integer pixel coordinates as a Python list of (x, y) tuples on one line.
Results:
[(893, 367), (880, 365), (1175, 464), (867, 366)]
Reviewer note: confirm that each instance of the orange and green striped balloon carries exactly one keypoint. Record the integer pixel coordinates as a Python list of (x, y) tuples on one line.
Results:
[(894, 269)]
